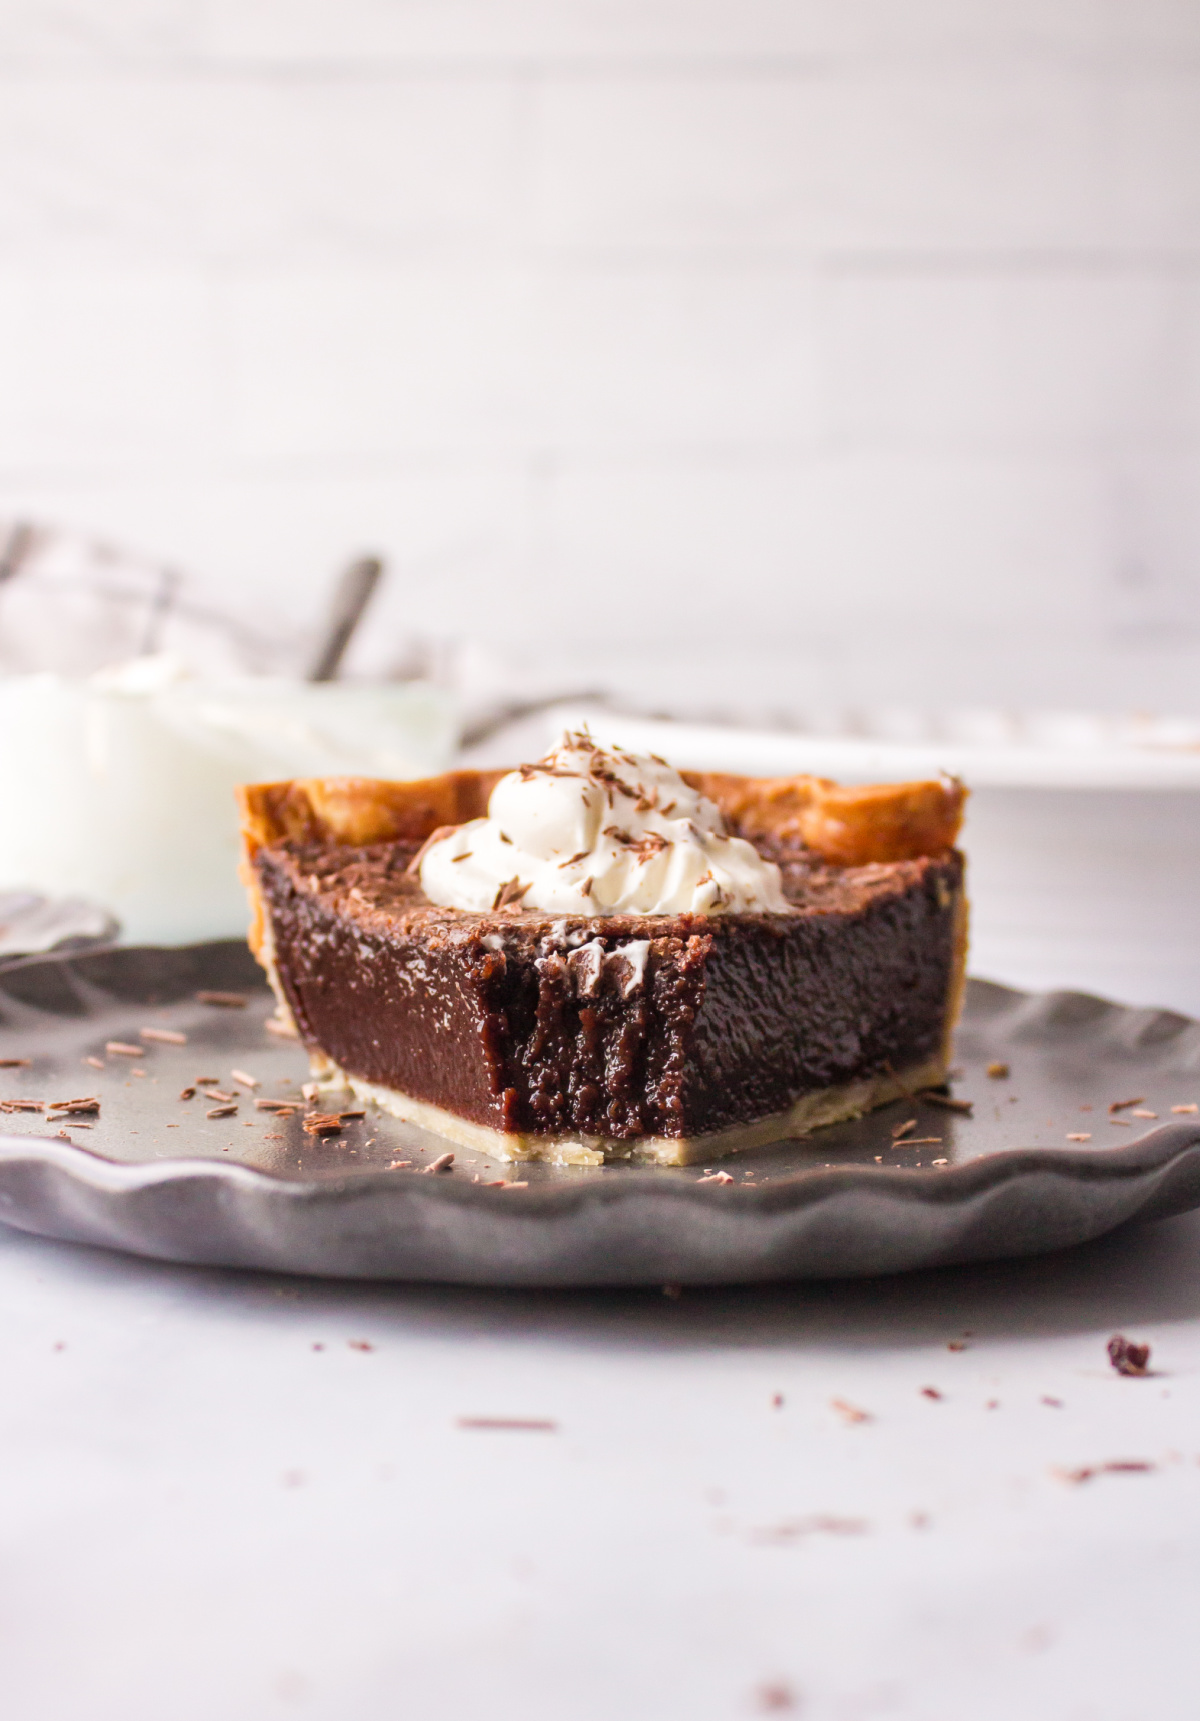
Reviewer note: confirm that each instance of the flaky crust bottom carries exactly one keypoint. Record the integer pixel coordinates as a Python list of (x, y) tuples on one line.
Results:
[(811, 1111)]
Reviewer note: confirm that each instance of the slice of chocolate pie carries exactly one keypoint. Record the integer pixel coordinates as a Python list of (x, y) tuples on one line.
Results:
[(595, 956)]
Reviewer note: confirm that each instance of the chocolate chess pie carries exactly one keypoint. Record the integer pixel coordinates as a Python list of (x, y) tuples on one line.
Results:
[(596, 956)]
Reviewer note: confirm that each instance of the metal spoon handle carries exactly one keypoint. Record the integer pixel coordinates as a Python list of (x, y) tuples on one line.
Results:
[(349, 601)]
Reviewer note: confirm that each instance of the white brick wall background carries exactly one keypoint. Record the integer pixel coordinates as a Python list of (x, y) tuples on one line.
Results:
[(848, 349)]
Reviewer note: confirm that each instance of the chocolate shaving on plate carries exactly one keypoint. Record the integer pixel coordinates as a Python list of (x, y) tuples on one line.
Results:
[(948, 1102), (322, 1123)]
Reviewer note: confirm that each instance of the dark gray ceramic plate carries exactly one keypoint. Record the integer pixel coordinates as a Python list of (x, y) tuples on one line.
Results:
[(156, 1176)]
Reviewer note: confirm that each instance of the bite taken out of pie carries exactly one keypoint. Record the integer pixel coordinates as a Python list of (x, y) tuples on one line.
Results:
[(596, 956)]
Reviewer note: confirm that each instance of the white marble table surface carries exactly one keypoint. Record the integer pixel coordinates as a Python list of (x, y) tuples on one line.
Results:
[(217, 1501)]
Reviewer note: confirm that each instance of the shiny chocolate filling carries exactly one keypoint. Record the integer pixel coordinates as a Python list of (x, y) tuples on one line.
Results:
[(620, 1026)]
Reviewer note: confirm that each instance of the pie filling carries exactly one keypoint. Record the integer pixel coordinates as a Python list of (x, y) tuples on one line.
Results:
[(800, 962)]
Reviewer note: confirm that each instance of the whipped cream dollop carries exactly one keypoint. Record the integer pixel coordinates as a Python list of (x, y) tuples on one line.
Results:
[(593, 832)]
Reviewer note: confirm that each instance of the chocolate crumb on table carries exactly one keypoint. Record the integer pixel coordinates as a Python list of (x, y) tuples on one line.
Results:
[(167, 1036), (15, 1063), (223, 1000), (850, 1413), (1113, 1467), (1126, 1357), (509, 1424), (122, 1049), (931, 1392), (221, 1111), (1123, 1105), (997, 1071)]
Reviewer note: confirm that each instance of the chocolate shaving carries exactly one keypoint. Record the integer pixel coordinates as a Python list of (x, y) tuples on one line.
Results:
[(15, 1063), (510, 893), (648, 845), (322, 1123), (997, 1071), (850, 1412), (443, 1162), (223, 1000), (119, 1047), (167, 1036), (89, 1104), (22, 1105), (512, 1424), (931, 1392), (1114, 1467), (187, 1093), (948, 1102), (223, 1099), (575, 859), (246, 1080), (1123, 1105), (221, 1111), (1126, 1357)]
